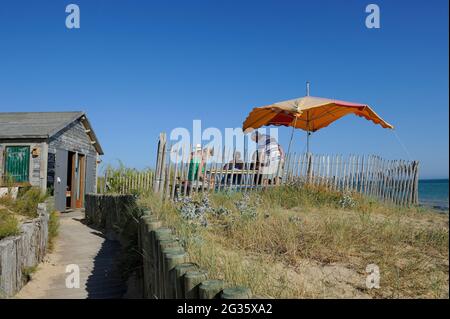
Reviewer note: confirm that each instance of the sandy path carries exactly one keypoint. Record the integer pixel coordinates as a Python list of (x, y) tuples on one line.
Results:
[(95, 256)]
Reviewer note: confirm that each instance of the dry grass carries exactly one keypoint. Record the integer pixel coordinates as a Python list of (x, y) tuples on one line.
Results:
[(14, 211), (26, 202), (9, 225), (53, 229), (310, 243)]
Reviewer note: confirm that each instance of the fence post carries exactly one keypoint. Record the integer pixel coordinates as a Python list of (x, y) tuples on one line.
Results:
[(309, 170), (192, 280), (172, 257), (210, 289), (236, 293), (160, 162), (178, 278), (416, 183)]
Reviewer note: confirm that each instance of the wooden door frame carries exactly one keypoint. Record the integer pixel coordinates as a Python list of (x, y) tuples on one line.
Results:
[(73, 179), (78, 180), (79, 199)]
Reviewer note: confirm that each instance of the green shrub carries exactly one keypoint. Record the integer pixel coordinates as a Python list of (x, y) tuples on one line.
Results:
[(9, 225), (27, 201), (122, 178), (27, 272)]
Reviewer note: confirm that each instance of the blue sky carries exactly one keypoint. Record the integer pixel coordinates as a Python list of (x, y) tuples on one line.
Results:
[(141, 67)]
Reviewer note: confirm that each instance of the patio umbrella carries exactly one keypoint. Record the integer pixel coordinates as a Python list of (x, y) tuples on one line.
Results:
[(308, 113)]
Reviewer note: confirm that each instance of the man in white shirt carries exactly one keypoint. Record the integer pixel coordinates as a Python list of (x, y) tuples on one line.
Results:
[(270, 158)]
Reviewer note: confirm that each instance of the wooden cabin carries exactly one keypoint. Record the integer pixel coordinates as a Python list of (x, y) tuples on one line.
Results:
[(55, 151)]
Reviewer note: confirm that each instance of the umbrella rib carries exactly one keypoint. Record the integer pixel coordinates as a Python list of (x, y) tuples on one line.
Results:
[(330, 112)]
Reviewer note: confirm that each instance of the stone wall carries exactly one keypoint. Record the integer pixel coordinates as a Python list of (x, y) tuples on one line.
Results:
[(22, 252), (166, 271)]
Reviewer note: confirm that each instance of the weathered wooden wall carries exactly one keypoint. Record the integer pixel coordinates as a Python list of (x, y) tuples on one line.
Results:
[(109, 212), (166, 270), (74, 138), (168, 273)]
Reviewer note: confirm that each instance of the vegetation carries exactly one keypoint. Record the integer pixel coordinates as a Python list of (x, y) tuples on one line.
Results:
[(9, 225), (27, 272), (297, 242), (120, 178), (53, 229), (12, 211), (26, 202)]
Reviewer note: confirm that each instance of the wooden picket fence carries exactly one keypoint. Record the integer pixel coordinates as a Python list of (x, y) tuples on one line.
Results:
[(393, 181), (130, 182)]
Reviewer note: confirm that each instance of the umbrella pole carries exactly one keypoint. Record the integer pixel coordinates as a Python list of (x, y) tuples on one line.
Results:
[(308, 133), (307, 120), (307, 142)]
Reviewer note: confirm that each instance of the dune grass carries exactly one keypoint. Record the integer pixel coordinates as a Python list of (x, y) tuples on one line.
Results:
[(9, 225), (292, 242), (26, 202), (53, 229), (13, 211)]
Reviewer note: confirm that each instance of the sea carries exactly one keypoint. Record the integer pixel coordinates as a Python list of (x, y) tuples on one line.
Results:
[(434, 193)]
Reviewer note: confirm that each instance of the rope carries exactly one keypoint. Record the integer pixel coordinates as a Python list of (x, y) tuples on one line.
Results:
[(292, 136), (402, 145)]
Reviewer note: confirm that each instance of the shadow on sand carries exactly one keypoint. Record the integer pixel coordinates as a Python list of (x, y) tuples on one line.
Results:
[(105, 281)]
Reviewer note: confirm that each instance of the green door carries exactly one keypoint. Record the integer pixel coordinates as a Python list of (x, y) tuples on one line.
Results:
[(17, 163)]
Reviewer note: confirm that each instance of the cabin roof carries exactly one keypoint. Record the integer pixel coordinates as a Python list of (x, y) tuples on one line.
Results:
[(36, 125)]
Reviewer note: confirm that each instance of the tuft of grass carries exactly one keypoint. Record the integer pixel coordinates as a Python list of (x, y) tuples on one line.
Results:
[(27, 272), (27, 201), (53, 229), (9, 225)]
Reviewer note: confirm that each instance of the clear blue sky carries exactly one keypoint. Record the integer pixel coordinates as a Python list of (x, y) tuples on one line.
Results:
[(141, 67)]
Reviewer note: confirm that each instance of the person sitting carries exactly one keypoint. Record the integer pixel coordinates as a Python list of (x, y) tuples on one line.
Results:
[(270, 158), (237, 164), (195, 164)]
